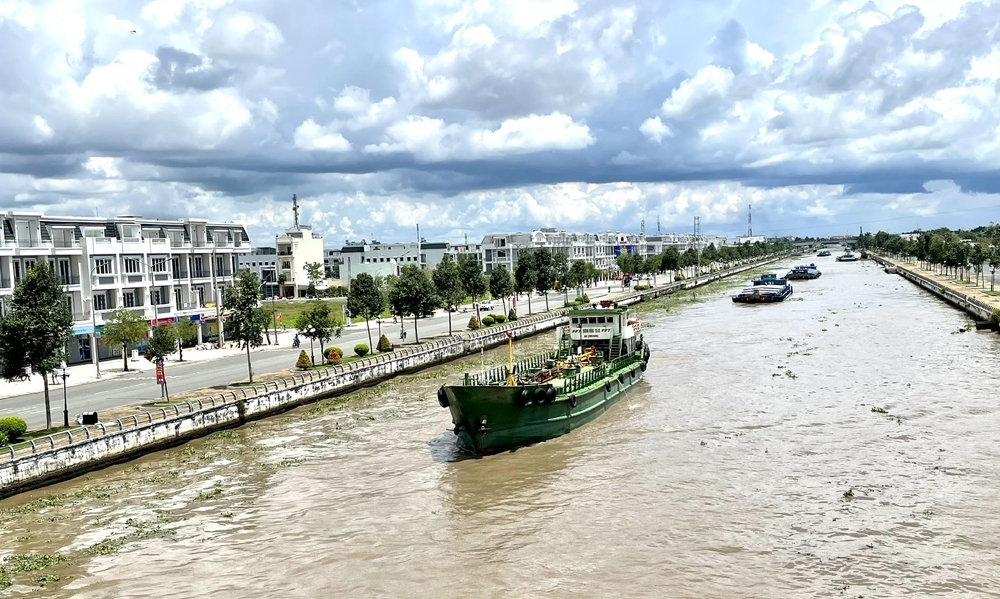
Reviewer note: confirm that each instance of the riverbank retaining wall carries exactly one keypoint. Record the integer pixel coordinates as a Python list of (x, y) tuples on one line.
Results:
[(979, 310), (71, 453)]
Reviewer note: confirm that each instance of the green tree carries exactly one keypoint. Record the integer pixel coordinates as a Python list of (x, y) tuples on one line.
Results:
[(578, 273), (448, 284), (123, 328), (183, 330), (246, 320), (501, 285), (544, 274), (472, 276), (162, 342), (314, 271), (33, 334), (670, 259), (365, 300), (317, 322), (413, 294), (525, 276)]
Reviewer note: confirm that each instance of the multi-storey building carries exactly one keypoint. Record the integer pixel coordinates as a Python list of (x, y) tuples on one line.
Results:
[(599, 249), (165, 270), (263, 261), (384, 259), (298, 247)]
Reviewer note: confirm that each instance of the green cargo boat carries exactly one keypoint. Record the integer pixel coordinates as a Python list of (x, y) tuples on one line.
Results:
[(600, 355)]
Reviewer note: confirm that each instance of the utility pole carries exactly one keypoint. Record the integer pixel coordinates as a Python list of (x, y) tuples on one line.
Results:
[(295, 209), (749, 220)]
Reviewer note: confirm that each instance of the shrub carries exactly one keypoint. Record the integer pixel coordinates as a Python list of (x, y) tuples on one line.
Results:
[(995, 316), (3, 438), (303, 361), (584, 299), (332, 357), (474, 323), (487, 320), (499, 318), (678, 277), (512, 315), (340, 352), (361, 349), (384, 344), (13, 427)]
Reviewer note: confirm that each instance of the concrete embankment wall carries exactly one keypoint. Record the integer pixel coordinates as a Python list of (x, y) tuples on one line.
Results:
[(977, 309), (71, 453)]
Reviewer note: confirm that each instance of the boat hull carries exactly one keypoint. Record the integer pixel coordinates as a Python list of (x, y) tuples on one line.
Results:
[(490, 419)]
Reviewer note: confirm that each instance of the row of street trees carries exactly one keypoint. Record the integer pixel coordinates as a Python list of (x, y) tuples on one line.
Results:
[(958, 253)]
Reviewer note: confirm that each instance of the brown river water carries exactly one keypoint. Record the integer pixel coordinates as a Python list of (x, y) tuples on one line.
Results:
[(724, 475)]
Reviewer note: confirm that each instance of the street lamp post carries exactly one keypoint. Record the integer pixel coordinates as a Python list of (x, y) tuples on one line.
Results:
[(64, 375), (312, 357)]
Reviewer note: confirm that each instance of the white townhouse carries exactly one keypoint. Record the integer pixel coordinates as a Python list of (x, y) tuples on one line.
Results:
[(163, 269)]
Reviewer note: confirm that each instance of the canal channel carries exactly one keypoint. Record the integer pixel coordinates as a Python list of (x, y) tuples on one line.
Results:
[(841, 443)]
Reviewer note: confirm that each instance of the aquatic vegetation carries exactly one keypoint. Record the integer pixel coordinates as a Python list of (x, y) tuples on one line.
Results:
[(878, 410), (849, 494)]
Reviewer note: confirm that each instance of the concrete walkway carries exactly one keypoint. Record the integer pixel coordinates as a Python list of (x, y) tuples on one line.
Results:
[(969, 289)]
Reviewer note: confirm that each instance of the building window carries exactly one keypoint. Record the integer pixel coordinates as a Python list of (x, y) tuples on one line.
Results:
[(128, 299), (156, 297), (103, 266), (177, 298), (69, 304), (101, 302), (132, 266), (285, 264), (159, 264)]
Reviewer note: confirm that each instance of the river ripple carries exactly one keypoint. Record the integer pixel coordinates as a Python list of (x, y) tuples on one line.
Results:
[(723, 475)]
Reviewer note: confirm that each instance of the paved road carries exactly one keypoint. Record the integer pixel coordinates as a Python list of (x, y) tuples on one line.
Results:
[(134, 388)]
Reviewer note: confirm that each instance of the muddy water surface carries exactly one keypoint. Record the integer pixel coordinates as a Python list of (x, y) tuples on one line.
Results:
[(724, 475)]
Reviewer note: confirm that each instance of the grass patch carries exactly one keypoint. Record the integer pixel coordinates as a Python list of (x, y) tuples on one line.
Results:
[(42, 433)]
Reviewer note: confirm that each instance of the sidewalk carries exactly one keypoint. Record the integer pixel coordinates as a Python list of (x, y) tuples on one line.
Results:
[(81, 374), (968, 289)]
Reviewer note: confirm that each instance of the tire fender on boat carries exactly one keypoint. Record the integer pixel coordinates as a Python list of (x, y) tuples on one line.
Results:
[(442, 398), (607, 385), (572, 401), (643, 367), (550, 395), (523, 398), (621, 379), (539, 395)]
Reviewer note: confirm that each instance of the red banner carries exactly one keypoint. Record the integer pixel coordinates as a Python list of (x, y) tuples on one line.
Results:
[(160, 378)]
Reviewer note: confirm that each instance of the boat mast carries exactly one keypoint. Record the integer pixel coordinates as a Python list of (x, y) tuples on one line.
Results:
[(510, 359)]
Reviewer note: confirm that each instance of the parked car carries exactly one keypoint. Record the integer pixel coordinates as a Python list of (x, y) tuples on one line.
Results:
[(485, 307)]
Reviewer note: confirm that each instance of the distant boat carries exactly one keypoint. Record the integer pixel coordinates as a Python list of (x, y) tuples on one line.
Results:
[(847, 256), (824, 253), (766, 290), (804, 272)]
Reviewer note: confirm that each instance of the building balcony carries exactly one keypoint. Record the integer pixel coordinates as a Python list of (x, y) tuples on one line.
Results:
[(63, 280), (200, 274), (5, 283), (225, 272)]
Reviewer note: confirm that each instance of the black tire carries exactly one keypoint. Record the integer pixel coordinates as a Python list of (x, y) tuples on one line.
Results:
[(539, 396), (523, 398), (621, 379), (550, 395), (643, 366), (607, 385), (442, 398), (572, 401)]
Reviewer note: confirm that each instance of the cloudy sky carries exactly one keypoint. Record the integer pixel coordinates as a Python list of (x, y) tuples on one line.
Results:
[(468, 117)]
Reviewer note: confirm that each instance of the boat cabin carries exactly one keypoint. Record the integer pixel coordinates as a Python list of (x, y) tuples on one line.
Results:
[(604, 332)]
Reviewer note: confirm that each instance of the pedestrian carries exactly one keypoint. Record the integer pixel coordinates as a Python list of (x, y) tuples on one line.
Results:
[(394, 319)]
